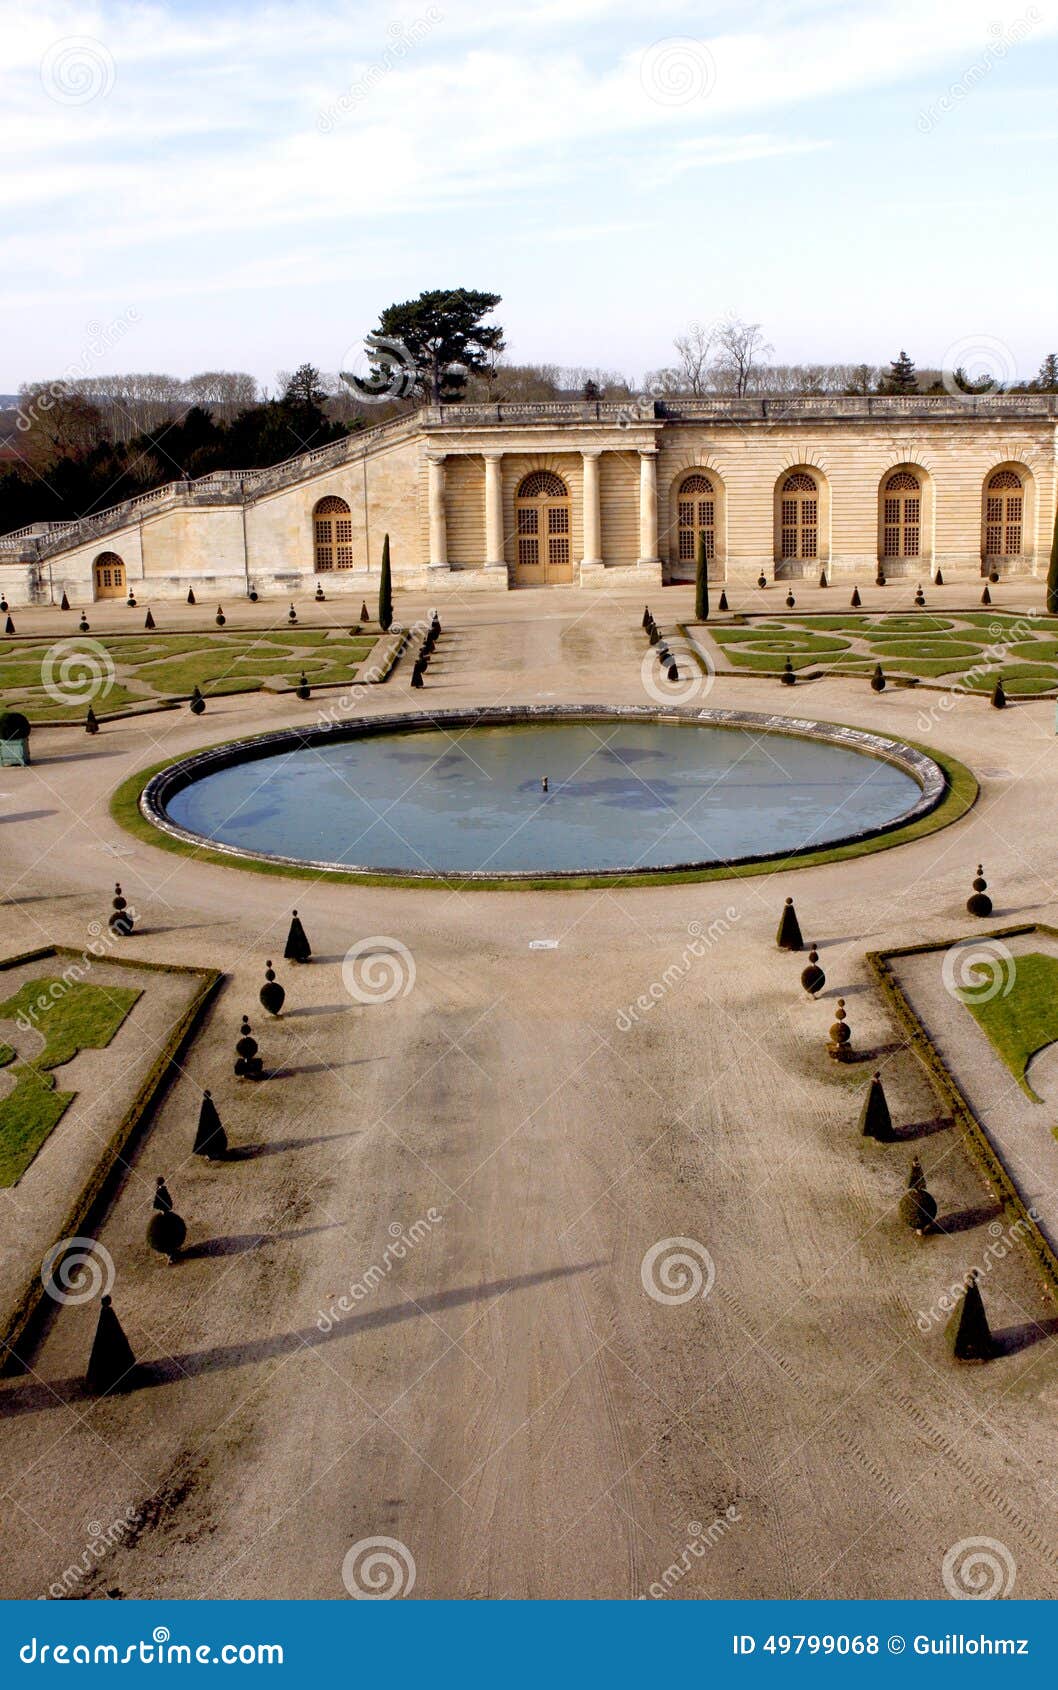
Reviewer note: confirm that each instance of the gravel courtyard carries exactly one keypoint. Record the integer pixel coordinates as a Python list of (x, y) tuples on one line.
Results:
[(505, 1398)]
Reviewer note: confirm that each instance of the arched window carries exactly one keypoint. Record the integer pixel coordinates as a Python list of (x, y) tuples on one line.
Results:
[(109, 576), (1004, 506), (901, 515), (332, 528), (695, 515), (799, 516), (543, 529)]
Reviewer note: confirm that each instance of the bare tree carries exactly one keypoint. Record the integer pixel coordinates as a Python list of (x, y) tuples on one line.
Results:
[(740, 347), (695, 349)]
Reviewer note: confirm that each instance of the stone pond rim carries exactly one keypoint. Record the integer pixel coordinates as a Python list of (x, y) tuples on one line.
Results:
[(947, 790)]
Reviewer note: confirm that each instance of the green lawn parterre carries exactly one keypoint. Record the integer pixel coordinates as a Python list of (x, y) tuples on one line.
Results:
[(964, 649), (120, 672)]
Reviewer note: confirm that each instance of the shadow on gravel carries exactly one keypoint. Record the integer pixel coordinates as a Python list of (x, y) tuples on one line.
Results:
[(964, 1220), (32, 1396), (239, 1243), (1010, 1339)]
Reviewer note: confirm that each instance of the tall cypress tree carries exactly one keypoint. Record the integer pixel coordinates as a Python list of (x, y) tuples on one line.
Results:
[(1052, 573), (701, 581), (385, 591)]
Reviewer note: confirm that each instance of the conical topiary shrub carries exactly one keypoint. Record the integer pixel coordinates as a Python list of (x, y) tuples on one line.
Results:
[(701, 580), (875, 1120), (823, 582), (272, 994), (385, 590), (297, 947), (979, 903), (986, 597), (190, 595), (788, 678), (120, 922), (788, 937), (148, 620), (969, 1334), (197, 703), (878, 679), (855, 600), (416, 674), (722, 604), (918, 1207), (840, 1045), (111, 1364), (9, 626), (363, 612), (210, 1138), (646, 617), (91, 725), (999, 697), (166, 1230), (64, 603), (938, 579), (812, 978)]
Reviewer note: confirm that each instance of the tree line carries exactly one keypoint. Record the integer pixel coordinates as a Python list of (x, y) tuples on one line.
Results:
[(79, 445)]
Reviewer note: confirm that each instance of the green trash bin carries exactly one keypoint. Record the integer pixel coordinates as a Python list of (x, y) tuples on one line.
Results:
[(14, 740)]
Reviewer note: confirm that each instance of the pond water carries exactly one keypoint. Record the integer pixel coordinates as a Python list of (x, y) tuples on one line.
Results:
[(641, 795)]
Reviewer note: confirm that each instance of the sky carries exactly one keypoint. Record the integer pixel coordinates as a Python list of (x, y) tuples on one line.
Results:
[(218, 186)]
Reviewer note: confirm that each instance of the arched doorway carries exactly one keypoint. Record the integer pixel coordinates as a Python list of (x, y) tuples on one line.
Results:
[(109, 576), (332, 533), (543, 531), (901, 516), (1003, 518), (695, 516), (798, 517)]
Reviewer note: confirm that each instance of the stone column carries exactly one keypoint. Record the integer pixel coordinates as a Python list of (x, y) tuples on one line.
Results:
[(494, 558), (592, 510), (648, 505), (436, 505)]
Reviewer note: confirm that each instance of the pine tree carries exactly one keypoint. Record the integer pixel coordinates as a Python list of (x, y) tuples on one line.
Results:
[(902, 377), (385, 590), (701, 581), (1052, 573)]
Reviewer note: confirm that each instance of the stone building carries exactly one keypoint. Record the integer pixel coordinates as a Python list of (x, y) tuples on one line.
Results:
[(587, 493)]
